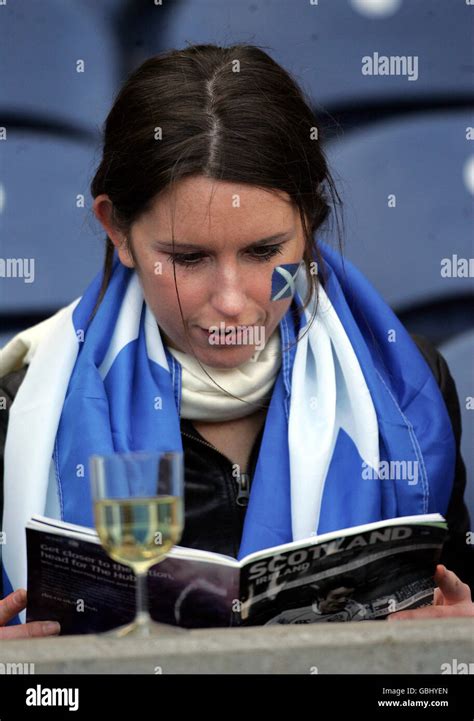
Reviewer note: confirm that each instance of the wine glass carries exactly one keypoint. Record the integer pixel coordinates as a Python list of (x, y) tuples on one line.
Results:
[(138, 511)]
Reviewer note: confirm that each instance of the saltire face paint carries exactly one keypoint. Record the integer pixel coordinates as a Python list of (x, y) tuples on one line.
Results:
[(283, 280)]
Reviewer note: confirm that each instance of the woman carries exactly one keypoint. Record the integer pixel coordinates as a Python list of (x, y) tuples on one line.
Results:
[(223, 325)]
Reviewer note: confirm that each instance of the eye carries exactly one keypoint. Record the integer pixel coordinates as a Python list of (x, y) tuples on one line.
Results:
[(269, 251), (191, 260)]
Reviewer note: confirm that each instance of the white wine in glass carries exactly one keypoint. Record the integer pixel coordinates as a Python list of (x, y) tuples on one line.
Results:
[(139, 517)]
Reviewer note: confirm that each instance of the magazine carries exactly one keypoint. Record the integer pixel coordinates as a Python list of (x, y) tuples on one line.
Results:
[(353, 574)]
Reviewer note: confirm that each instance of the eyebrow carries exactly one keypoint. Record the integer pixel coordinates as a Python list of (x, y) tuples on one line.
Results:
[(190, 246)]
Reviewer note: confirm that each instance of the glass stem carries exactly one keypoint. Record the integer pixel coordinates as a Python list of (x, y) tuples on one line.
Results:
[(143, 615)]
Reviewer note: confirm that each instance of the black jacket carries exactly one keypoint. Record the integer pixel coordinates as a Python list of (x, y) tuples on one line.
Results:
[(215, 501)]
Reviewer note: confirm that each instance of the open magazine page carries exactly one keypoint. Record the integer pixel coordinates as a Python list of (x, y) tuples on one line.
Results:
[(359, 573), (193, 593), (72, 580), (357, 576)]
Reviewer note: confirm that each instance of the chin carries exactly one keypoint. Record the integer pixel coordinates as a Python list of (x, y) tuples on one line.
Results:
[(226, 359)]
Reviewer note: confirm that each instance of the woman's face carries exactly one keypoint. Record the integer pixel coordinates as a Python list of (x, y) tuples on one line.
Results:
[(224, 279)]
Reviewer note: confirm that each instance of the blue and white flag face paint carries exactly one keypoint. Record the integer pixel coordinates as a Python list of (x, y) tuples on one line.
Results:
[(284, 280), (346, 403)]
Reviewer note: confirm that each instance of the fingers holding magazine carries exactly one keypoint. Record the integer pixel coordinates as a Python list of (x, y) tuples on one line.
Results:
[(451, 598), (10, 606)]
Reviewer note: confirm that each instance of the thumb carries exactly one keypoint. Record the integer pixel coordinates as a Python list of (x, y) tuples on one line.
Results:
[(11, 605), (453, 589)]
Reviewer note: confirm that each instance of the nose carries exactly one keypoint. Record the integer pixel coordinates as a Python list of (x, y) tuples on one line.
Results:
[(229, 295)]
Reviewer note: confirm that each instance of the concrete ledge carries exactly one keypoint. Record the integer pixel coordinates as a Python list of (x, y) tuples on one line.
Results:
[(373, 647)]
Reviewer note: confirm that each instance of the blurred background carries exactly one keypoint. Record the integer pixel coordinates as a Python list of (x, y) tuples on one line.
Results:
[(400, 146)]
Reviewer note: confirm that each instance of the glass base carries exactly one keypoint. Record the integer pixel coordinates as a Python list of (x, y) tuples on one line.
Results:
[(147, 629)]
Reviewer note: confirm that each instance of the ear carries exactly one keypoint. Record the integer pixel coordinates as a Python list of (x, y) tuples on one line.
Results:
[(103, 208)]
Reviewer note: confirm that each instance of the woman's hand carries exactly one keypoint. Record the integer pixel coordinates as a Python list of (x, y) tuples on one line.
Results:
[(13, 604), (451, 598)]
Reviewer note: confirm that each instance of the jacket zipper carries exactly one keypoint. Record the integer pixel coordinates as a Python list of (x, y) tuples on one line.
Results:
[(242, 480)]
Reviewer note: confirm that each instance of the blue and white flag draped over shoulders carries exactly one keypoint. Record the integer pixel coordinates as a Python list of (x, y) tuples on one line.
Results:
[(353, 398)]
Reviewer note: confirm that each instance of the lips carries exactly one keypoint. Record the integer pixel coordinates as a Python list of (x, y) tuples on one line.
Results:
[(226, 333), (226, 330)]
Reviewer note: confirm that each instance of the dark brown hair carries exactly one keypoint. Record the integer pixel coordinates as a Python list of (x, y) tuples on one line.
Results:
[(226, 113)]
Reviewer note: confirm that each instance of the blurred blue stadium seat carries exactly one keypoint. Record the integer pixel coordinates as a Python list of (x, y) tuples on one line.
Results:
[(45, 215), (426, 163), (41, 45), (459, 355), (107, 9), (323, 44)]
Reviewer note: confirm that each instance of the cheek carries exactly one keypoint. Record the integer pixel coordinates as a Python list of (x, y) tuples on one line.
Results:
[(283, 281), (160, 293)]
